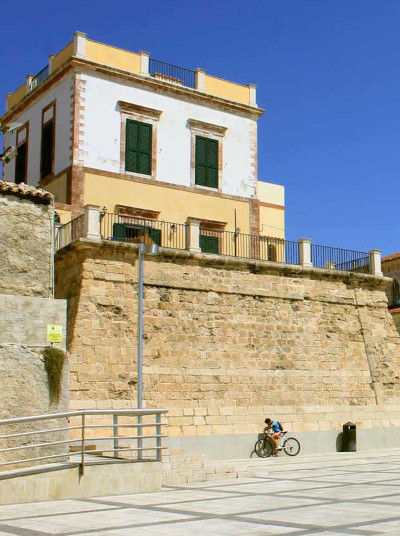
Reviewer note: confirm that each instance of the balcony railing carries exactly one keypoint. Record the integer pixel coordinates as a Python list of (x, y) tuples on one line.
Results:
[(39, 78), (171, 73), (339, 259), (195, 237), (249, 246), (69, 232), (132, 229)]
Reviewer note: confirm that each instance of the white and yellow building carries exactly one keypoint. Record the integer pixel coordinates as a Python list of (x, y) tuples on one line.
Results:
[(136, 136)]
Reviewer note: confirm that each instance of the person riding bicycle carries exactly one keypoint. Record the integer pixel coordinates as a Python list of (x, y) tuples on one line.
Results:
[(275, 431)]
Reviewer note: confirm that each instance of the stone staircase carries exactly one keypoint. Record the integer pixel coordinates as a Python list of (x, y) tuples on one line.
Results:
[(181, 468)]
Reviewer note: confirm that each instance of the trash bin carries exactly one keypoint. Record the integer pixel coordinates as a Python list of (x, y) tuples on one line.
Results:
[(349, 437)]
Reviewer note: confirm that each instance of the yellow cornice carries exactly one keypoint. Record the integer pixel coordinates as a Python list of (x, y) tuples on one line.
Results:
[(173, 88), (192, 94)]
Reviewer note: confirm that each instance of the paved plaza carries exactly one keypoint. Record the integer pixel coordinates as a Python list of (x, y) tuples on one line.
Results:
[(333, 495)]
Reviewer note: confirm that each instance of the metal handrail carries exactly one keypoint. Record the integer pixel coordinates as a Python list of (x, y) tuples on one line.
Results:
[(120, 412), (114, 437)]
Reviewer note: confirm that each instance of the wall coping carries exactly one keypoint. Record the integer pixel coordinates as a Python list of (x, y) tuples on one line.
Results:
[(353, 279), (26, 191)]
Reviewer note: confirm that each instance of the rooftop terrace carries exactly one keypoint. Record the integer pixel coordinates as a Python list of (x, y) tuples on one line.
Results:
[(135, 63)]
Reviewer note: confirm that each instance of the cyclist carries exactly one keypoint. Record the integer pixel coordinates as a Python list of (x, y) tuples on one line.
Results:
[(275, 429)]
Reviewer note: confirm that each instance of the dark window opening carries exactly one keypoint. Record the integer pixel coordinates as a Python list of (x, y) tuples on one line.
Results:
[(46, 162), (395, 292), (21, 163), (271, 252)]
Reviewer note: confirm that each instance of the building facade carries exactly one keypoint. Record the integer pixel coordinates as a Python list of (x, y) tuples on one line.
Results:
[(142, 139)]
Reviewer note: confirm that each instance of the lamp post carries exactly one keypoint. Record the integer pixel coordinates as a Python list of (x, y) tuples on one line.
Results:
[(149, 249)]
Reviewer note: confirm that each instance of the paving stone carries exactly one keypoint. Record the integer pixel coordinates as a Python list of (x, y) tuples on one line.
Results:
[(334, 495)]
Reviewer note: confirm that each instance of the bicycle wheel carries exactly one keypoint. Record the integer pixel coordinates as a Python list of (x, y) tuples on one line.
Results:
[(291, 446), (263, 448)]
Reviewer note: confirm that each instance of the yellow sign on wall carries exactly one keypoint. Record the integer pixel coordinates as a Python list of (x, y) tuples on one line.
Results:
[(54, 333)]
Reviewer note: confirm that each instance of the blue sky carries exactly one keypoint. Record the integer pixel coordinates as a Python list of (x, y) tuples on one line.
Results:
[(327, 74)]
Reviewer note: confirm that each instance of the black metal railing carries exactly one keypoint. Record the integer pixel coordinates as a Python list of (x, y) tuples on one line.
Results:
[(249, 246), (39, 77), (69, 232), (134, 229), (171, 73), (125, 228), (339, 259)]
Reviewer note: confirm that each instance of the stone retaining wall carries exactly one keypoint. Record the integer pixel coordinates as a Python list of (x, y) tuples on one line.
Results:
[(227, 341), (25, 246)]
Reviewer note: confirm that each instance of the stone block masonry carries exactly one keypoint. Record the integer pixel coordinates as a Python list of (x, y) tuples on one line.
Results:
[(26, 307), (25, 246), (227, 341)]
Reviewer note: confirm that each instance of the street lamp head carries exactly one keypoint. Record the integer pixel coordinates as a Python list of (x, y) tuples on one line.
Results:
[(151, 249)]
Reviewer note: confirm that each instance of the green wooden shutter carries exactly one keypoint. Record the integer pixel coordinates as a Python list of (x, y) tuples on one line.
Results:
[(138, 145), (155, 235), (206, 155), (122, 231), (201, 169), (209, 244), (131, 153), (212, 163), (119, 231)]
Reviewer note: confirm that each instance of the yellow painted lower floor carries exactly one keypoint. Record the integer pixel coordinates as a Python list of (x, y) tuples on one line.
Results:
[(172, 203)]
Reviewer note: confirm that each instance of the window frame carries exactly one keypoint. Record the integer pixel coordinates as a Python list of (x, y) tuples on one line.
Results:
[(51, 105), (18, 144), (140, 114), (139, 124), (213, 132), (209, 142)]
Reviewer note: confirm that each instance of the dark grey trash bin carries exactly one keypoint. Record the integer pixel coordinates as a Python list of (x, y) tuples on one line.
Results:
[(349, 437)]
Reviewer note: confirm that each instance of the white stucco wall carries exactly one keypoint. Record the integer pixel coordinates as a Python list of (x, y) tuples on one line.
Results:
[(62, 93), (102, 128)]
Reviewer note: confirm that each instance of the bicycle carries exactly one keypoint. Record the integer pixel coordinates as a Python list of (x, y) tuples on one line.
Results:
[(263, 447)]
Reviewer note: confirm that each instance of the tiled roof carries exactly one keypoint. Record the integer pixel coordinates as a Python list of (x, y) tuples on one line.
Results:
[(26, 191), (391, 257), (395, 310)]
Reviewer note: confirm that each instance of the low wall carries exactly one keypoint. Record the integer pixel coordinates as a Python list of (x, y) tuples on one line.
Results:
[(228, 342), (66, 483)]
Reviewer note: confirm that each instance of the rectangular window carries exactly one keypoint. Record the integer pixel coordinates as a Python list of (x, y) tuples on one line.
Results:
[(138, 145), (20, 164), (21, 160), (206, 165), (47, 147)]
